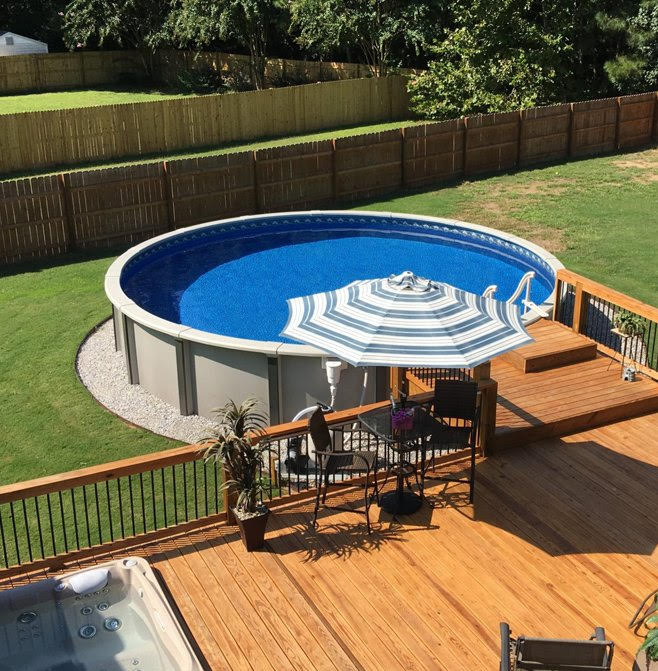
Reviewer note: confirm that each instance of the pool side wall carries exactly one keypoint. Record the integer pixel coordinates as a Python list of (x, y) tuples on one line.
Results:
[(196, 371)]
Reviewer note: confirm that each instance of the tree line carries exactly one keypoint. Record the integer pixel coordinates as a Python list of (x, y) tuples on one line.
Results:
[(476, 55)]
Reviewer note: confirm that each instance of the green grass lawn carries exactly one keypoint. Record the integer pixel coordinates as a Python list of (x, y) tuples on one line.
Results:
[(598, 216), (57, 100)]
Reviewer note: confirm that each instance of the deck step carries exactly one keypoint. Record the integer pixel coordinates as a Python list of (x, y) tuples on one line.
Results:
[(554, 346)]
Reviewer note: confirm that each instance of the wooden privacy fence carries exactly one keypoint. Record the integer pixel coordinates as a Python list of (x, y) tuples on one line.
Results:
[(45, 216), (58, 71), (34, 140), (50, 72)]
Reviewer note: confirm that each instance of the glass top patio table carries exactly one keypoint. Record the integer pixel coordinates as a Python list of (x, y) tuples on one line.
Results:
[(401, 441)]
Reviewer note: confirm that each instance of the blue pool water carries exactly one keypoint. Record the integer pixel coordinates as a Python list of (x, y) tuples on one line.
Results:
[(235, 281)]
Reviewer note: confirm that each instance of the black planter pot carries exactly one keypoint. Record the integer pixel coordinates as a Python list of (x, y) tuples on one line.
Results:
[(252, 529)]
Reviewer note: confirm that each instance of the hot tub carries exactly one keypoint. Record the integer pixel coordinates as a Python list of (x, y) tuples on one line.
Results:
[(198, 312), (113, 617)]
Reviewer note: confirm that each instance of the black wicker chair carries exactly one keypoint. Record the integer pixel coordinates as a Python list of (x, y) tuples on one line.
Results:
[(333, 461), (554, 654), (456, 404)]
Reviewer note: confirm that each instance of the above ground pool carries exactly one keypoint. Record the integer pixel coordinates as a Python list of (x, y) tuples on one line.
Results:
[(224, 286)]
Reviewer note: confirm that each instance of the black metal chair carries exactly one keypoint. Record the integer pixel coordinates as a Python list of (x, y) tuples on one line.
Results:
[(332, 461), (555, 654), (456, 404)]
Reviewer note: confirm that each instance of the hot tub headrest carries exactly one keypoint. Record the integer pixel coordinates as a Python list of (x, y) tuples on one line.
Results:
[(87, 582)]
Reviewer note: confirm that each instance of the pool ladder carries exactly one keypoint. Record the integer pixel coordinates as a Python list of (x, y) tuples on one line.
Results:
[(524, 285)]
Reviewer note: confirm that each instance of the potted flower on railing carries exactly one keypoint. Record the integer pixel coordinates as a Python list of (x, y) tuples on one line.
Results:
[(238, 445)]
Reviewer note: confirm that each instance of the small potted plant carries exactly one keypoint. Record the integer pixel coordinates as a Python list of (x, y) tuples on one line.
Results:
[(237, 443), (628, 324), (647, 655)]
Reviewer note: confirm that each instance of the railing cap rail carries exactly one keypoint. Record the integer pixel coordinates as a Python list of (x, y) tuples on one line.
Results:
[(606, 293), (148, 462)]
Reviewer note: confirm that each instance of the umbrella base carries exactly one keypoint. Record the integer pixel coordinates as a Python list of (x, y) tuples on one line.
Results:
[(400, 503)]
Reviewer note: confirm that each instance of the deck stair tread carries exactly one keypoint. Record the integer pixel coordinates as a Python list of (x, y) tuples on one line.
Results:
[(554, 345), (564, 400)]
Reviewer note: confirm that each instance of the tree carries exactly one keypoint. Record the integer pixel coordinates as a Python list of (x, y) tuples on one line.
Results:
[(135, 24), (635, 68), (495, 59), (249, 22), (375, 27)]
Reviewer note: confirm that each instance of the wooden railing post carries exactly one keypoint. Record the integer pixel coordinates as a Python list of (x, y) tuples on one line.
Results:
[(488, 399), (580, 306), (557, 297), (398, 381), (230, 498)]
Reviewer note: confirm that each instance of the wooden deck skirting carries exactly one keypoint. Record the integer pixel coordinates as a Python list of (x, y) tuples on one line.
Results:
[(560, 539)]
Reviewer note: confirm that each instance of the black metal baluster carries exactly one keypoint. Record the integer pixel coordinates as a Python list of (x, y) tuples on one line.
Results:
[(39, 528), (173, 484), (52, 526), (13, 524), (4, 541), (132, 503), (155, 517), (27, 531), (196, 498), (187, 518), (98, 514), (215, 467), (205, 486), (75, 518), (109, 509), (86, 507), (164, 496), (61, 513), (123, 530), (141, 488)]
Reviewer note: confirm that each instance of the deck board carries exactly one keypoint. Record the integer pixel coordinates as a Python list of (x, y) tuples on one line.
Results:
[(561, 400), (560, 539)]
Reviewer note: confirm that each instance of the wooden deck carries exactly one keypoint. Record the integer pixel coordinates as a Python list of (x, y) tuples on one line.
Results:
[(567, 398), (561, 537)]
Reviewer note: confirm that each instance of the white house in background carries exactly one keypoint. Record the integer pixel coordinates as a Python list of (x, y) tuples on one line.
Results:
[(12, 44)]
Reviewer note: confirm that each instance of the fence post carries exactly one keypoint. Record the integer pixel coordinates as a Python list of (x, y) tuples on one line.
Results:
[(169, 197), (230, 498), (581, 304), (571, 132), (465, 147), (403, 172), (617, 123), (65, 188), (258, 205), (334, 175)]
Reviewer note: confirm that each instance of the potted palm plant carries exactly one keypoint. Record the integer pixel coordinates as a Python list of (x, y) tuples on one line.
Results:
[(647, 655), (238, 444), (628, 323)]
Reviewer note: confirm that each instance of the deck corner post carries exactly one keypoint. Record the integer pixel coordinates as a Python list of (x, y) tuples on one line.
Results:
[(580, 307)]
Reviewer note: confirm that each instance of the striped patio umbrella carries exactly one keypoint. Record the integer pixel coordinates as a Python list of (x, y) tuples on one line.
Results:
[(406, 321)]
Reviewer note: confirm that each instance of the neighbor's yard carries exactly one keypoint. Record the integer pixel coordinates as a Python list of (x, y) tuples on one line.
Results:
[(598, 216), (57, 100)]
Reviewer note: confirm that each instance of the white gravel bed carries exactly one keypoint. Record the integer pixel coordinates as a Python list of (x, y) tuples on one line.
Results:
[(103, 371)]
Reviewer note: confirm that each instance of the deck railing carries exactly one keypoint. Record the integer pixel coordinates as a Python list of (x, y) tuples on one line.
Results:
[(144, 496), (590, 308)]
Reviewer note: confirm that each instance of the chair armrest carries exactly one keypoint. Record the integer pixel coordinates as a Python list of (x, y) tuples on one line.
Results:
[(598, 635), (505, 664)]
